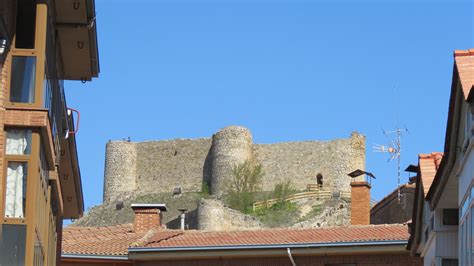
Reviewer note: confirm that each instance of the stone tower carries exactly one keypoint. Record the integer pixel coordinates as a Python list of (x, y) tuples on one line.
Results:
[(230, 146), (120, 170)]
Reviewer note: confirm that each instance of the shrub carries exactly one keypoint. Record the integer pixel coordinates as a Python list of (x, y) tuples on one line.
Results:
[(279, 215), (245, 181), (205, 190), (282, 213), (282, 191)]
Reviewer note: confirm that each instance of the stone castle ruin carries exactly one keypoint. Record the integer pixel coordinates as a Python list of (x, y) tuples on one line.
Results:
[(175, 172), (190, 164)]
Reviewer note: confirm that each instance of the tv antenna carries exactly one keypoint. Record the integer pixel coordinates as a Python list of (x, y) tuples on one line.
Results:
[(394, 149)]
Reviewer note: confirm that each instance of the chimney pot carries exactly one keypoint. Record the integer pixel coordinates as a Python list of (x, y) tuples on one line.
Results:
[(147, 216), (183, 217)]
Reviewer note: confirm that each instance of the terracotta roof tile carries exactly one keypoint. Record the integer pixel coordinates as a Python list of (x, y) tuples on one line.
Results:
[(429, 164), (390, 196), (109, 240), (115, 240), (464, 61), (283, 236)]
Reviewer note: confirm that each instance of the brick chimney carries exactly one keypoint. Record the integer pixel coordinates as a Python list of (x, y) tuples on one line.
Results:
[(147, 216), (360, 198)]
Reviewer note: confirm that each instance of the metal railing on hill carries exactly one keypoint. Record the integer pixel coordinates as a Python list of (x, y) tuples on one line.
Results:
[(313, 192)]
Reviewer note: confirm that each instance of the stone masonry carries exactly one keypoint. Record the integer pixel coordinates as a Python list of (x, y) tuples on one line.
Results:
[(214, 216), (161, 166)]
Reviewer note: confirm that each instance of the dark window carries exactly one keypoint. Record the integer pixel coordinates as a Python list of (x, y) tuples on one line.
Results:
[(12, 244), (25, 24), (450, 217), (449, 262), (319, 179), (22, 87)]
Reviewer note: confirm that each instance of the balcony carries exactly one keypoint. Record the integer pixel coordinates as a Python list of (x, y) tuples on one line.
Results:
[(64, 143)]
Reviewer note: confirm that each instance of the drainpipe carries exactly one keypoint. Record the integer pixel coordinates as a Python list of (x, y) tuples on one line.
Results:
[(291, 257)]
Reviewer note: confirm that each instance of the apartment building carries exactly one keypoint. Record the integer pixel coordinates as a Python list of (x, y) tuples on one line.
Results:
[(443, 218), (42, 43)]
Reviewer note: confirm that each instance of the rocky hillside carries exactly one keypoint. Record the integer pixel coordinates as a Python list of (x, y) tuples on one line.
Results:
[(212, 214), (121, 212)]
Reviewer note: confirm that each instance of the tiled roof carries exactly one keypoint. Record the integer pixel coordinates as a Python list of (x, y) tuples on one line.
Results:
[(465, 66), (283, 236), (390, 196), (108, 240), (115, 240), (429, 164)]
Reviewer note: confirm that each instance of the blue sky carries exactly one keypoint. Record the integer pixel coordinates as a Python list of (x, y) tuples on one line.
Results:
[(288, 70)]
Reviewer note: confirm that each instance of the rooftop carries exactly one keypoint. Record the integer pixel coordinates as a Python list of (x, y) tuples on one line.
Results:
[(116, 240), (464, 62), (429, 164)]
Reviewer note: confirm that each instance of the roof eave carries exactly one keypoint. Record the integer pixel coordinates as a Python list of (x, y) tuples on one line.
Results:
[(93, 257), (440, 179), (77, 32), (388, 246)]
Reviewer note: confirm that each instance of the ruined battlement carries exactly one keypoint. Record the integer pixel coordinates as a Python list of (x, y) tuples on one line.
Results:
[(161, 166)]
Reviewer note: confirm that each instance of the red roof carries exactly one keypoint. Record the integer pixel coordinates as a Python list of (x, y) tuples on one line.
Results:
[(283, 236), (464, 60), (108, 240), (115, 240), (429, 164)]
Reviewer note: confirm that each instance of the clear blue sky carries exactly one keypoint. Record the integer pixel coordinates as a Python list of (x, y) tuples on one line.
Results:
[(288, 70)]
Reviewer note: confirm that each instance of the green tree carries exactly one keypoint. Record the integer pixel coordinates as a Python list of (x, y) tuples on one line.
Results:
[(245, 181), (282, 191)]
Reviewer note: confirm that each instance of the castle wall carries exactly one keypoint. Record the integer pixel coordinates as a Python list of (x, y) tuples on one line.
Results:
[(160, 166), (164, 165), (120, 170), (300, 162), (231, 146)]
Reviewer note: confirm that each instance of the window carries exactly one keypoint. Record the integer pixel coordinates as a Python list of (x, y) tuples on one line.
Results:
[(468, 123), (466, 230), (23, 75), (25, 65), (44, 172), (17, 151), (449, 262), (15, 195), (12, 244), (18, 142), (450, 217), (25, 24)]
